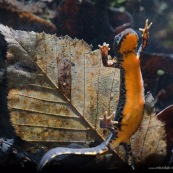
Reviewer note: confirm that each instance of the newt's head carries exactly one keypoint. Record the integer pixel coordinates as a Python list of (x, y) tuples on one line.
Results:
[(126, 42)]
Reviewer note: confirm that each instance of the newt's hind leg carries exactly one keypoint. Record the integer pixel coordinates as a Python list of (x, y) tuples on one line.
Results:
[(129, 156), (107, 122)]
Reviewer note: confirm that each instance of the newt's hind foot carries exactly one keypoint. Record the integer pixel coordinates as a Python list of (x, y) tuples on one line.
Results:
[(107, 122)]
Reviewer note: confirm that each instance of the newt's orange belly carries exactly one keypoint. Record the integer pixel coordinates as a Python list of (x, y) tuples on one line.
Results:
[(134, 102), (131, 121), (134, 105)]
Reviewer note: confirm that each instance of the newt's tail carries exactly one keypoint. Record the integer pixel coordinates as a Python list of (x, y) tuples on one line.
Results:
[(55, 152)]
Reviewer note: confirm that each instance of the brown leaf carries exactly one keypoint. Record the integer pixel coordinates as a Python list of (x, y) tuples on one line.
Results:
[(17, 16), (58, 90), (166, 116)]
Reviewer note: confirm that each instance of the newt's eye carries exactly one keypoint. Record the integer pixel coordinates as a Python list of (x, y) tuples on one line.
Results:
[(116, 42), (117, 39)]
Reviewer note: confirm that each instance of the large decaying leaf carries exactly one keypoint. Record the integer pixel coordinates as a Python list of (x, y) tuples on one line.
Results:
[(58, 87), (58, 90)]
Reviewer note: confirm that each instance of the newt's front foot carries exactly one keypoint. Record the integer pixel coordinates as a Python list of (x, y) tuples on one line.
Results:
[(106, 121), (104, 49), (145, 30), (107, 60)]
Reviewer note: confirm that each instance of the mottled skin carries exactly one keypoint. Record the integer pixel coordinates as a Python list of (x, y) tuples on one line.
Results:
[(129, 113)]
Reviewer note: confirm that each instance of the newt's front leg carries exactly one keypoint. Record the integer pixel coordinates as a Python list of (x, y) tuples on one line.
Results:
[(106, 59), (145, 33)]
